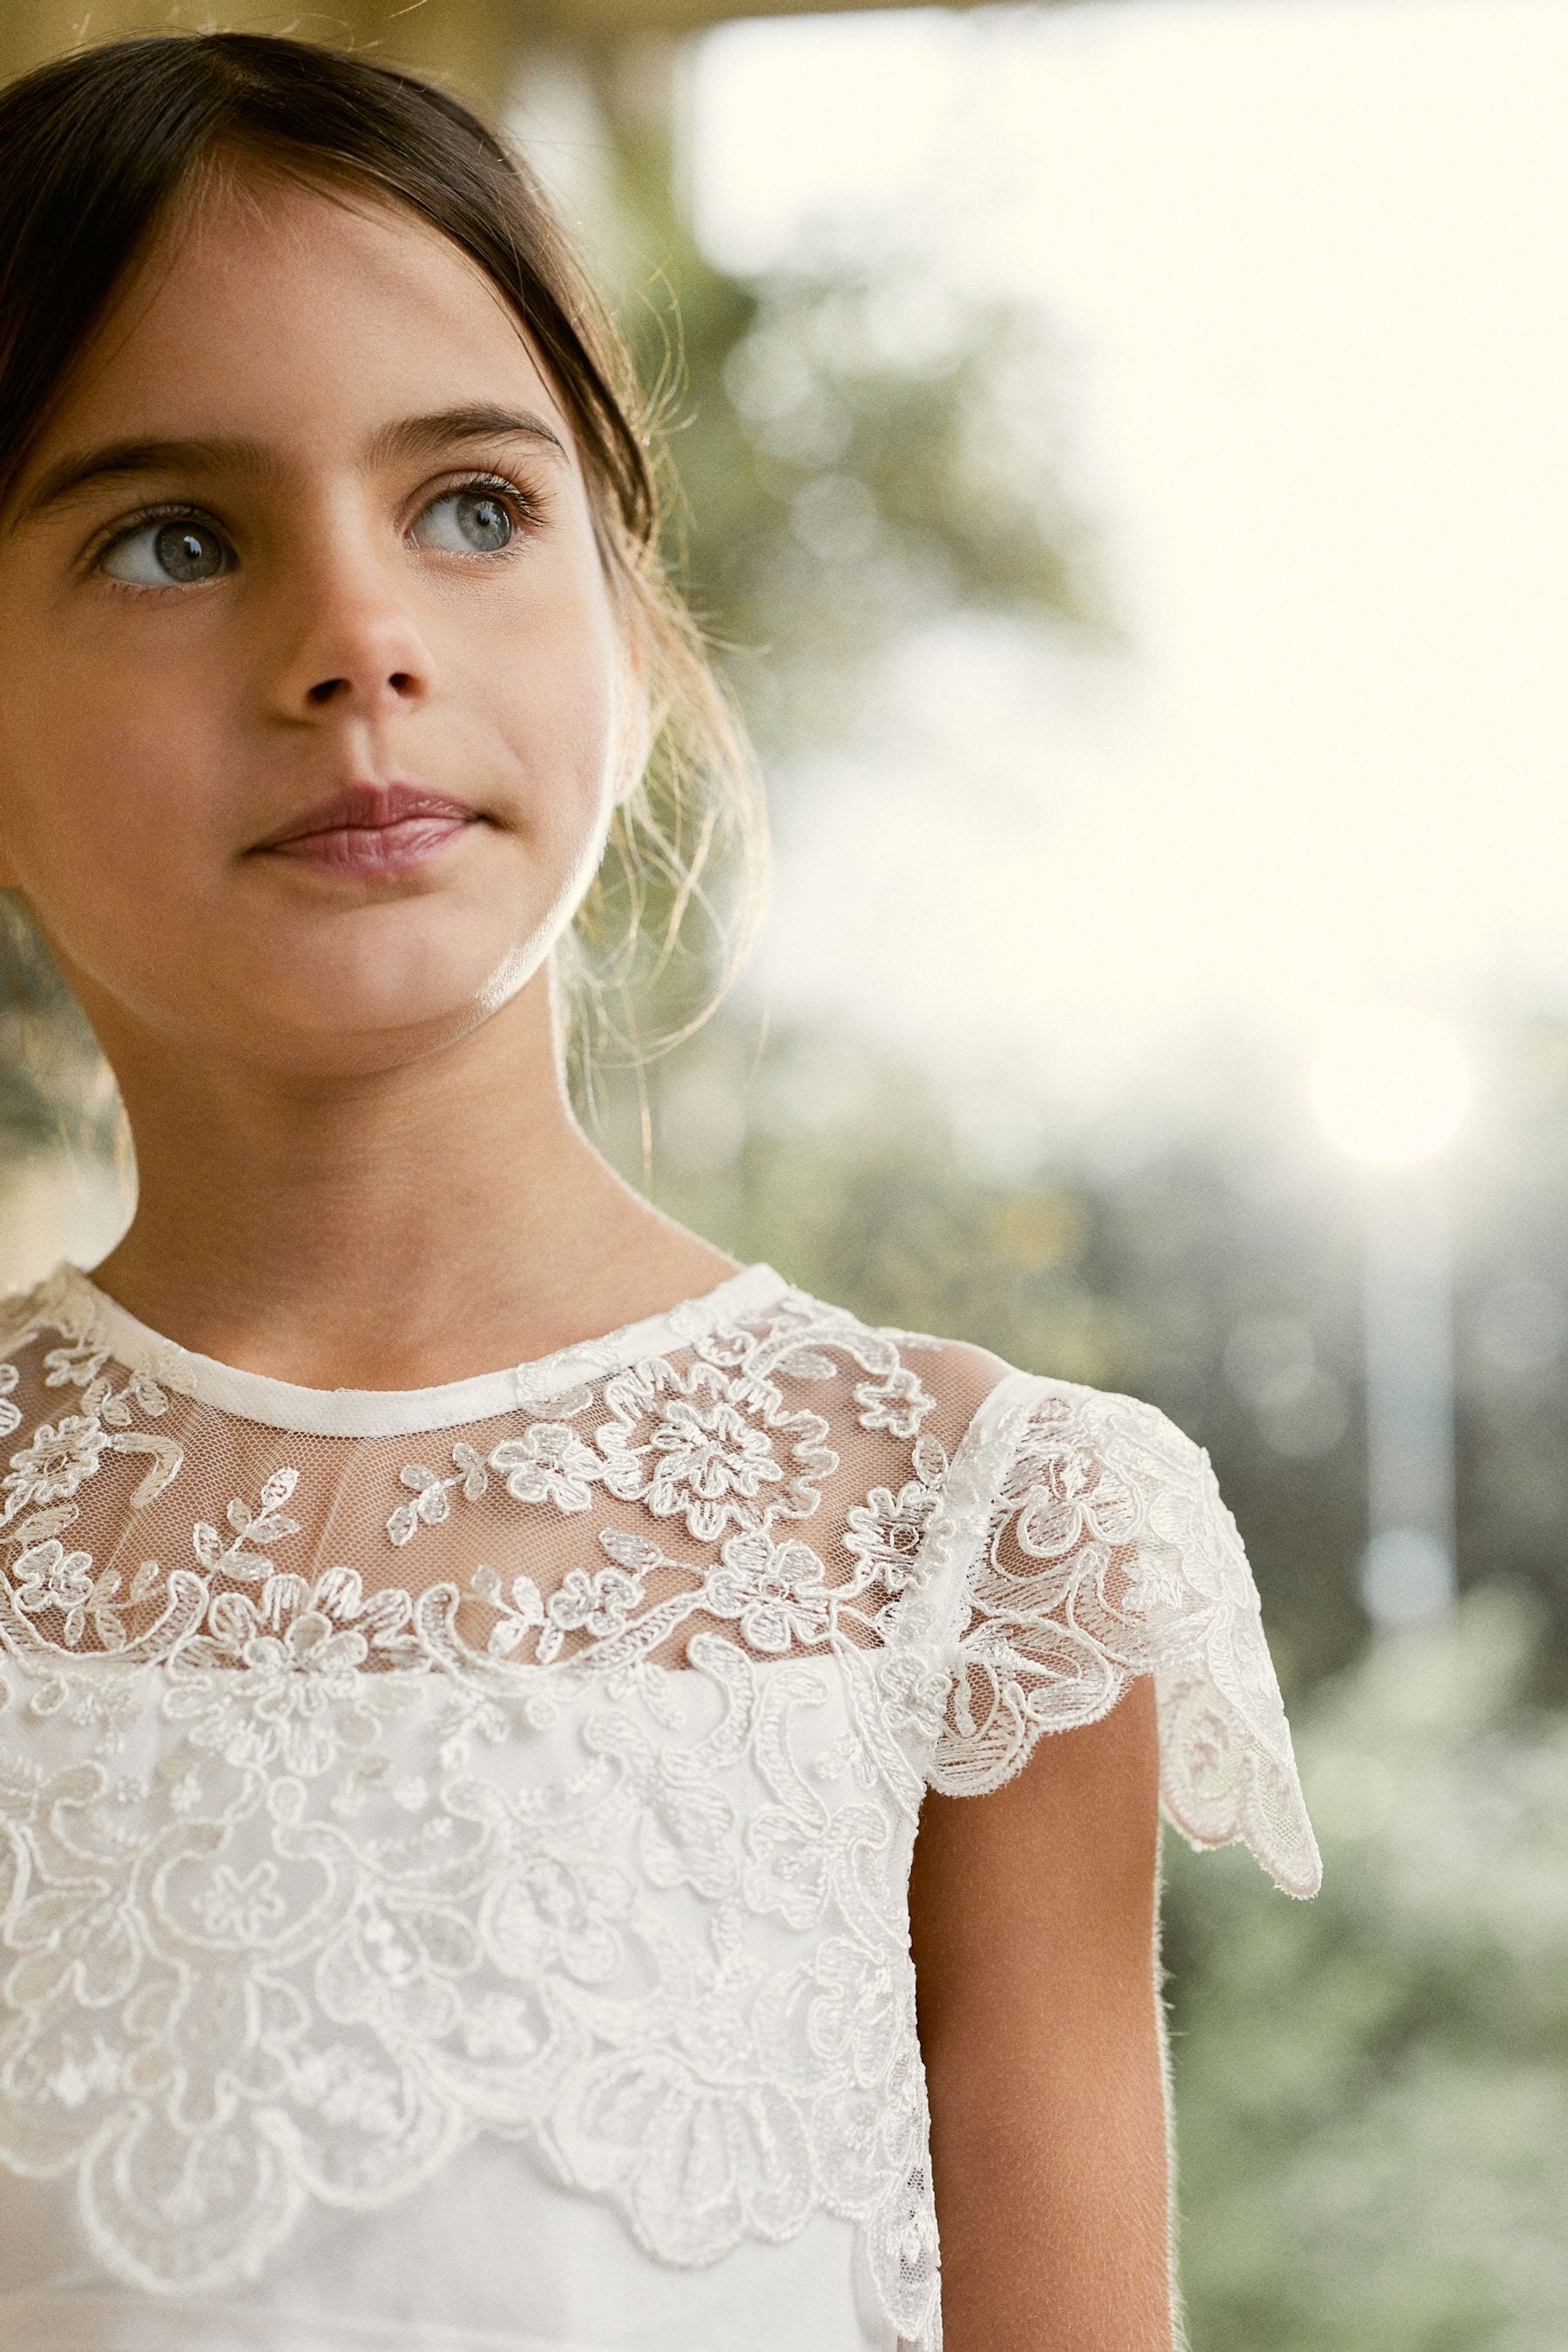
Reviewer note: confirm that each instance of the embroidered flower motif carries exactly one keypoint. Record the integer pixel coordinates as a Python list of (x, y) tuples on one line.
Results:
[(915, 1691), (1070, 1496), (886, 1531), (241, 1908), (698, 2163), (548, 1463), (788, 1870), (775, 1590), (898, 1402), (710, 1455), (853, 2014), (52, 1466), (547, 1914), (76, 1365), (392, 1966), (341, 2086), (10, 1414), (288, 1708), (49, 1576), (78, 2078), (600, 1604), (520, 1609), (1157, 1589), (294, 1692)]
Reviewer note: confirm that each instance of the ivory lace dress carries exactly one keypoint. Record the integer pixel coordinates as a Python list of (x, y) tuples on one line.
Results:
[(455, 1842)]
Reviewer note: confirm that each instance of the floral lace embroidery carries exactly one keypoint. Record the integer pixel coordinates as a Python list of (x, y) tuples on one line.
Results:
[(1108, 1553), (315, 1874)]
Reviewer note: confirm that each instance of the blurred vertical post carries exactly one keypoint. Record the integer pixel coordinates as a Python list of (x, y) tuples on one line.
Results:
[(1408, 1568), (1392, 1088)]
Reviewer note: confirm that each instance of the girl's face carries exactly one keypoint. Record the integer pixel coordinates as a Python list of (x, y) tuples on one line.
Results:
[(306, 546)]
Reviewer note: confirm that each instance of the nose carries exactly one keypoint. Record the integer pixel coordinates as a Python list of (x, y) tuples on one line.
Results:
[(357, 652)]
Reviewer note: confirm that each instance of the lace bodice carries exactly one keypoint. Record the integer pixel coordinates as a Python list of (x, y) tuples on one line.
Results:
[(534, 1763)]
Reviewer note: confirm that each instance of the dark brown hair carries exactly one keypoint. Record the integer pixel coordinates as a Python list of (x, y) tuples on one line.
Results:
[(97, 150)]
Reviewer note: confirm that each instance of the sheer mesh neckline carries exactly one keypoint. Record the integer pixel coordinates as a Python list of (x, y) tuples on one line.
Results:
[(388, 1412)]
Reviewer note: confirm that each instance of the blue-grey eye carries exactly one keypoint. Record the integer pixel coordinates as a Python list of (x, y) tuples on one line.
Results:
[(168, 555), (466, 522)]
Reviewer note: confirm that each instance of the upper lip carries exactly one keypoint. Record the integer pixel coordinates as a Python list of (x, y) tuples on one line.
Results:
[(364, 808)]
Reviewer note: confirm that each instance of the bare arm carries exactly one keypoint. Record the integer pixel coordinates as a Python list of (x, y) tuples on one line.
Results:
[(1034, 1918)]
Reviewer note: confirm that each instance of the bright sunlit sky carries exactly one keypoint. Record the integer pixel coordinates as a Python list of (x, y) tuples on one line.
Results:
[(1310, 259)]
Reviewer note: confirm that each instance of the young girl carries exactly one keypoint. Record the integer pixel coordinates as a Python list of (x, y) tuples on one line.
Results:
[(475, 1662)]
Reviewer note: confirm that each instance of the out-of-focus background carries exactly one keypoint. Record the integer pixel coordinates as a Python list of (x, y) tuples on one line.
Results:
[(1121, 457)]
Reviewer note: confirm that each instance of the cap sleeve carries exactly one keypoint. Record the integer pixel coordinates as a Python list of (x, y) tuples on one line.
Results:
[(1101, 1550)]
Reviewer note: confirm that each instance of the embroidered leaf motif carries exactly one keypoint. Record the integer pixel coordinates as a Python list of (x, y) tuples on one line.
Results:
[(145, 1582), (929, 1461), (433, 1504), (236, 1559), (38, 1523), (167, 1459), (630, 1550), (475, 1481), (271, 1527)]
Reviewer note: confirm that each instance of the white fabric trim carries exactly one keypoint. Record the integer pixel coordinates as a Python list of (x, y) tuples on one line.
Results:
[(398, 1412)]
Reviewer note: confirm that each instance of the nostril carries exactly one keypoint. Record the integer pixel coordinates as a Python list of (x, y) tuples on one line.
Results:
[(403, 683)]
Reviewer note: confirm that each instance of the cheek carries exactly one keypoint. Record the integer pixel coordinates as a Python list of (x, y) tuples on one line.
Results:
[(555, 697), (102, 807)]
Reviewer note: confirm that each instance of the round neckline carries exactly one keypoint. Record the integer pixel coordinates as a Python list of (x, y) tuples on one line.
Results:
[(388, 1412)]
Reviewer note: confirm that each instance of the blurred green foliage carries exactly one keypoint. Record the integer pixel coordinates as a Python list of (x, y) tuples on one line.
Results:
[(54, 1094), (1373, 2089), (854, 446)]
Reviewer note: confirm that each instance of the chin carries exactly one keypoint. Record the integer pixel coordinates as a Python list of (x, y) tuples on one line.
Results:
[(360, 1013), (357, 1044)]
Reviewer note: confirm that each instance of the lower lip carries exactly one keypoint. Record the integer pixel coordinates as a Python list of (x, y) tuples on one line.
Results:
[(371, 849)]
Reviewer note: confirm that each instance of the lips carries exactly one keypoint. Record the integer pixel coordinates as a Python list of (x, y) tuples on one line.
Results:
[(371, 829)]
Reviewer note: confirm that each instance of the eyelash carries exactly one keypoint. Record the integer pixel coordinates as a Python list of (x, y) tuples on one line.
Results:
[(527, 509)]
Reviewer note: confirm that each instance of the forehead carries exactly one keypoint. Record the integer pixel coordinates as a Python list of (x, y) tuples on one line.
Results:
[(274, 308)]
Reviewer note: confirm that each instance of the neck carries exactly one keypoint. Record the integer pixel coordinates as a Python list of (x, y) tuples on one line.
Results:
[(390, 1231)]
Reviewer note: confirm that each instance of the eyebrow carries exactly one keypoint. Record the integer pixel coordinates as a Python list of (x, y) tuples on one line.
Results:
[(404, 437)]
